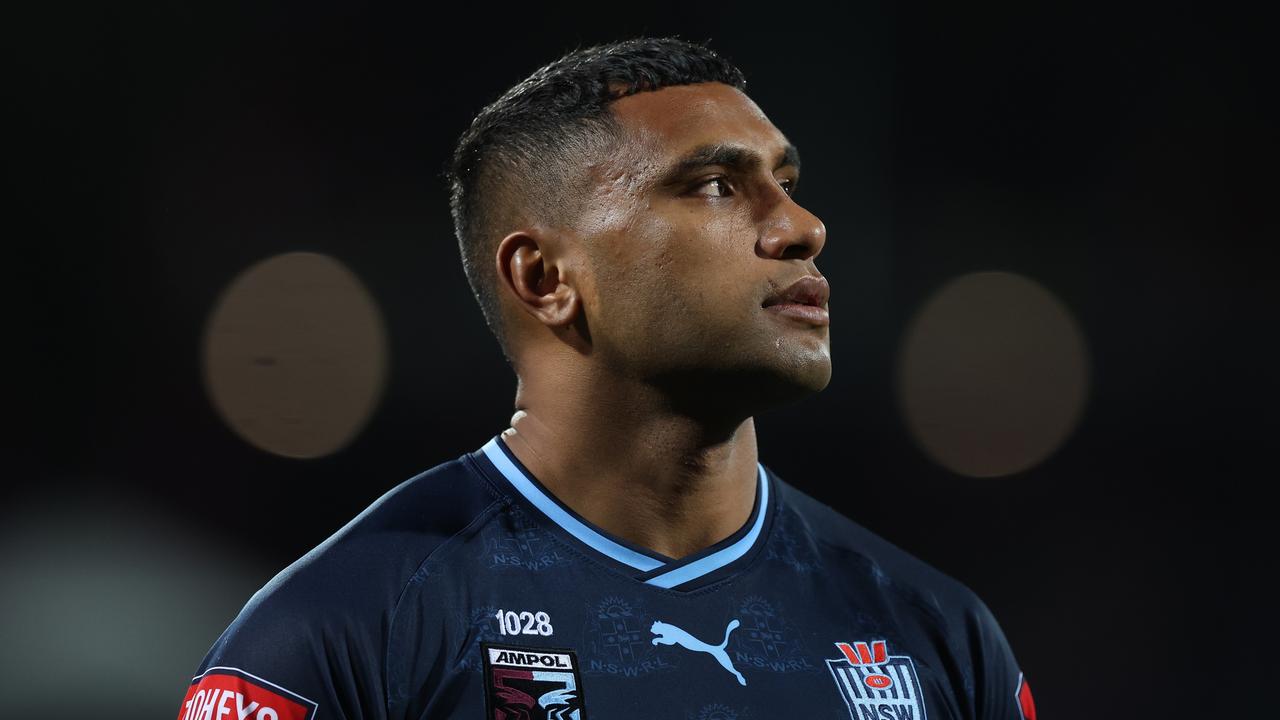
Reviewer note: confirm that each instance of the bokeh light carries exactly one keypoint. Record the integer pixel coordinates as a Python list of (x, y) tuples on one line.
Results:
[(295, 355), (109, 603), (993, 374)]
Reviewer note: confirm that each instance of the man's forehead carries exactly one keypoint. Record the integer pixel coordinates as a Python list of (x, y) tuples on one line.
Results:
[(666, 124)]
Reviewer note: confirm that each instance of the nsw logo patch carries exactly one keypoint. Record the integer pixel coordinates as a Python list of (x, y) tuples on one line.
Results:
[(876, 685), (533, 683)]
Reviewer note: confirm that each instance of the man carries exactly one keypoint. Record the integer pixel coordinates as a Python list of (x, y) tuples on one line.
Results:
[(626, 221)]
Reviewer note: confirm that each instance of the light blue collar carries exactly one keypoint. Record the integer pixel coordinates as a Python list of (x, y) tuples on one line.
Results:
[(497, 453)]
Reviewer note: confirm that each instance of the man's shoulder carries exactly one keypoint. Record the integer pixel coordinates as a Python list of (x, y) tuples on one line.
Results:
[(864, 551), (343, 594), (361, 569)]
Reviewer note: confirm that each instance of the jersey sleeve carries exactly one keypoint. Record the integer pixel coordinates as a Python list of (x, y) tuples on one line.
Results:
[(313, 644), (283, 658), (1002, 690)]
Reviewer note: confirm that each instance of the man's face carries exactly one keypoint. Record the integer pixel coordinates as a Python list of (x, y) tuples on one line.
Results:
[(683, 256)]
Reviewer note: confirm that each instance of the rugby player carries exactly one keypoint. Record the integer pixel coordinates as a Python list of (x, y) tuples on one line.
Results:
[(628, 223)]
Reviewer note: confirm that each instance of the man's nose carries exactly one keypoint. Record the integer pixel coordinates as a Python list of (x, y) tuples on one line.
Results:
[(791, 232)]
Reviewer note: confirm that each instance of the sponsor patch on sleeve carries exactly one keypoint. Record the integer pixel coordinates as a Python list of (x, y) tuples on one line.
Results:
[(224, 693), (1026, 705)]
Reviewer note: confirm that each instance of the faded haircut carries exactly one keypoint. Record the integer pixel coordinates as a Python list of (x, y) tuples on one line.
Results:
[(525, 153)]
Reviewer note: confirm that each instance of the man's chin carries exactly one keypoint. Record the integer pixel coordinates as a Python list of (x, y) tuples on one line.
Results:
[(794, 384), (746, 390), (806, 369)]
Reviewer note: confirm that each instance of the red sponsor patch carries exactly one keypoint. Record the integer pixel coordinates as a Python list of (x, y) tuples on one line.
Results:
[(233, 694), (1025, 704)]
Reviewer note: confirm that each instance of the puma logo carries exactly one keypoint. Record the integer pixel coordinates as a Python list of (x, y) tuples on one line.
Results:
[(669, 634)]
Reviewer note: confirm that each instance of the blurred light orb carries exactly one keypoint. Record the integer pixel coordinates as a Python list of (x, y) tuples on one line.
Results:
[(110, 601), (295, 355), (992, 374)]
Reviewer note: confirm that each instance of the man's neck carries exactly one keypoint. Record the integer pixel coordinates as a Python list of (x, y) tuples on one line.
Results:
[(617, 455)]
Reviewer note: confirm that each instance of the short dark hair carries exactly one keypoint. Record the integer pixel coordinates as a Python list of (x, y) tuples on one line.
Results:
[(526, 150)]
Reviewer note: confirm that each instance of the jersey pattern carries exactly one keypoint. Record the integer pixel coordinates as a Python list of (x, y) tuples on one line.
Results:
[(470, 591)]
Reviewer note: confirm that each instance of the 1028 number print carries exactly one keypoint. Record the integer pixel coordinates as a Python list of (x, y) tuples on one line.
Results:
[(511, 622)]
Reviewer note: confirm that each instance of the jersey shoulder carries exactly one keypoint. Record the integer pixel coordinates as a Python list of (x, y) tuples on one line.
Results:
[(348, 585), (988, 673), (863, 550)]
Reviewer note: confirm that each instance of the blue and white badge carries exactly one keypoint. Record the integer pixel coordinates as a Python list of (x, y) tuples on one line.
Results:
[(876, 685)]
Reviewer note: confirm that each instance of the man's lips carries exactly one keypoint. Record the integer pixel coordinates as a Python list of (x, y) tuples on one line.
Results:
[(805, 299)]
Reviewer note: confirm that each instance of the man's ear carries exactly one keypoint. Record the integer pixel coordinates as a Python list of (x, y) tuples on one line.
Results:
[(530, 271)]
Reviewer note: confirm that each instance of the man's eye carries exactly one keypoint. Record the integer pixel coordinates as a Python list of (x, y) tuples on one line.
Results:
[(789, 186), (723, 182)]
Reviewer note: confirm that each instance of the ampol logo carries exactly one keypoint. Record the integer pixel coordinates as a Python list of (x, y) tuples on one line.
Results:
[(532, 683), (876, 685)]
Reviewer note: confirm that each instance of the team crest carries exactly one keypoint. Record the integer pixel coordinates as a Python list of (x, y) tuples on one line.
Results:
[(616, 641), (876, 685), (531, 683)]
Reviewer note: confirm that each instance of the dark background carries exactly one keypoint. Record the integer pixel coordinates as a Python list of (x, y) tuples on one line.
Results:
[(1123, 158)]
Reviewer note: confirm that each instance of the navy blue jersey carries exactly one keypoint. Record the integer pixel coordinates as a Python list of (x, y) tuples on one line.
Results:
[(470, 591)]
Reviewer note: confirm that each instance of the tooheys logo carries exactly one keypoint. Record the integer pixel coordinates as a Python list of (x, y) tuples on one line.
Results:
[(224, 693), (1026, 705), (876, 685)]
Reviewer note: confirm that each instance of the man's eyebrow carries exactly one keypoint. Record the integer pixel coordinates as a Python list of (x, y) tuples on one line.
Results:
[(736, 157)]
